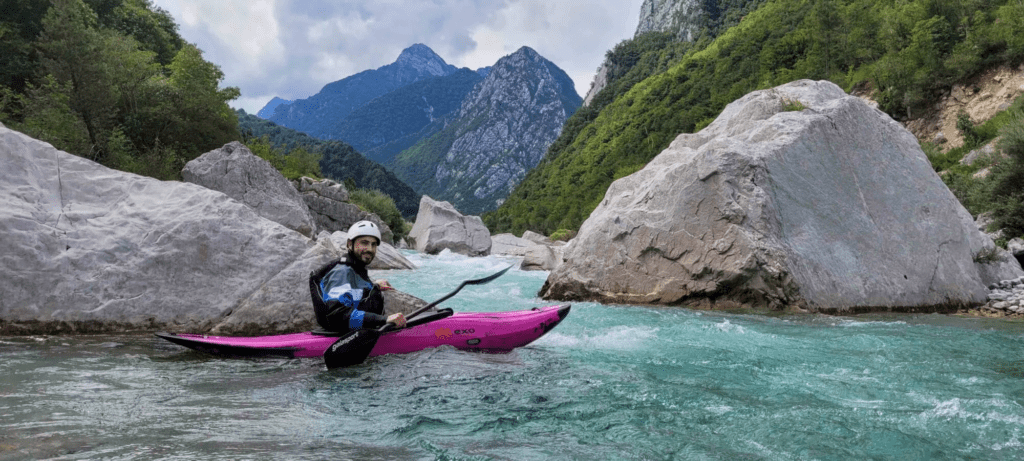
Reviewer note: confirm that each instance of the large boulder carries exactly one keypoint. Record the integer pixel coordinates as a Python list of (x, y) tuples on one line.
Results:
[(509, 245), (84, 248), (539, 253), (243, 176), (282, 304), (440, 226), (799, 196), (328, 203), (541, 257), (87, 248)]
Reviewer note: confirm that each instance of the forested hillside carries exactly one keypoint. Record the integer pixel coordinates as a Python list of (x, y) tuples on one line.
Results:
[(905, 52), (111, 81), (338, 160)]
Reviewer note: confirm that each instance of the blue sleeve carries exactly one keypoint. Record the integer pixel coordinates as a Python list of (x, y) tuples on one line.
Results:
[(343, 286)]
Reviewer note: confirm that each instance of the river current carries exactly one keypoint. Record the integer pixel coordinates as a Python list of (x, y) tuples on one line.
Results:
[(610, 382)]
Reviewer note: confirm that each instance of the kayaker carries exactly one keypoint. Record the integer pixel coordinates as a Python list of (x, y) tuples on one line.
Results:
[(350, 300)]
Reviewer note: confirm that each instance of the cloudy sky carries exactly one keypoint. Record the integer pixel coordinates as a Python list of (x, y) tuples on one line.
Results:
[(292, 48)]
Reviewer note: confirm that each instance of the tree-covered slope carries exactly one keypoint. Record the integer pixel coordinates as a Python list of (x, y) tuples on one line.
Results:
[(908, 51), (111, 81), (338, 161)]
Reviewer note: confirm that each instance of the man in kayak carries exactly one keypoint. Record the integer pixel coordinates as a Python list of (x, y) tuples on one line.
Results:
[(349, 300)]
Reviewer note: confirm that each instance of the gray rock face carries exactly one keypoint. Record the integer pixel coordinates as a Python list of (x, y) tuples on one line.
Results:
[(680, 16), (832, 208), (317, 114), (282, 304), (84, 248), (87, 248), (440, 226), (542, 257), (600, 81), (328, 203), (243, 176), (502, 131), (539, 252), (988, 150), (509, 245), (1016, 246)]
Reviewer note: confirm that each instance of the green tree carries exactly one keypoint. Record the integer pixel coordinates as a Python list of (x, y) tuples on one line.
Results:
[(199, 118), (45, 114), (151, 26), (380, 204), (72, 51), (301, 162), (1008, 187), (20, 24), (1008, 27)]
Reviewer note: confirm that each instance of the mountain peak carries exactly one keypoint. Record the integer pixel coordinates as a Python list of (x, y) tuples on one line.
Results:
[(421, 57), (528, 52)]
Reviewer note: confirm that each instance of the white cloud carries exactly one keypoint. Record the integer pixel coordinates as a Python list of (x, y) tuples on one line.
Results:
[(292, 48)]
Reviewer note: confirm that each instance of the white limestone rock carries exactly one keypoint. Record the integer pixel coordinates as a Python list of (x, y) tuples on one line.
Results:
[(87, 248), (243, 176), (328, 204), (440, 226), (831, 208), (509, 245)]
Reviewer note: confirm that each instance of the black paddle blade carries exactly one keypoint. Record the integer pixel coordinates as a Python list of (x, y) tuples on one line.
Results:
[(351, 349)]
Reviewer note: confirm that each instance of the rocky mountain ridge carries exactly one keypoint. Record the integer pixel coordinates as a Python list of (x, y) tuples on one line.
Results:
[(502, 130), (268, 110), (451, 127), (678, 16), (391, 123), (318, 114)]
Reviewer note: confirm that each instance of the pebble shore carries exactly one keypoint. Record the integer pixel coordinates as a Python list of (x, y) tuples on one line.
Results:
[(1005, 298)]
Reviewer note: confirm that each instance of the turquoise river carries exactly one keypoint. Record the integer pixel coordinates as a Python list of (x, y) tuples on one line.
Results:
[(611, 382)]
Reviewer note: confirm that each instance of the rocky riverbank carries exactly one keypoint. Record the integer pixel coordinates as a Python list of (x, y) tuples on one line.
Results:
[(830, 207), (1005, 299)]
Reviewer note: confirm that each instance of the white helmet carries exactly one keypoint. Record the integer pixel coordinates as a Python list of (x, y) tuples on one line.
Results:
[(362, 228)]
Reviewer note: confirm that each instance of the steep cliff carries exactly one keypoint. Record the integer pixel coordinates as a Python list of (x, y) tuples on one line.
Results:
[(502, 130), (684, 17), (685, 20)]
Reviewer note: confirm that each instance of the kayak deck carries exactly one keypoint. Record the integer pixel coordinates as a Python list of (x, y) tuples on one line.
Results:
[(476, 331)]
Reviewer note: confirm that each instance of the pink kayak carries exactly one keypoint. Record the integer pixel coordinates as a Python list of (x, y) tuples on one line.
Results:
[(476, 331)]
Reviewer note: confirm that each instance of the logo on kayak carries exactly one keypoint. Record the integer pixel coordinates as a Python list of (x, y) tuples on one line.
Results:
[(443, 333)]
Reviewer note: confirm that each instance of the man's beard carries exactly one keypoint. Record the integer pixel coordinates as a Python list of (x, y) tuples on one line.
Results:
[(364, 258)]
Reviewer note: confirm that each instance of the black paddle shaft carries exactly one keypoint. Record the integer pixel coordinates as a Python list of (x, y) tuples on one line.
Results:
[(354, 347), (453, 293)]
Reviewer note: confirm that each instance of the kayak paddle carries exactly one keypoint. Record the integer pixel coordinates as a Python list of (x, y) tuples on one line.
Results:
[(355, 346)]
